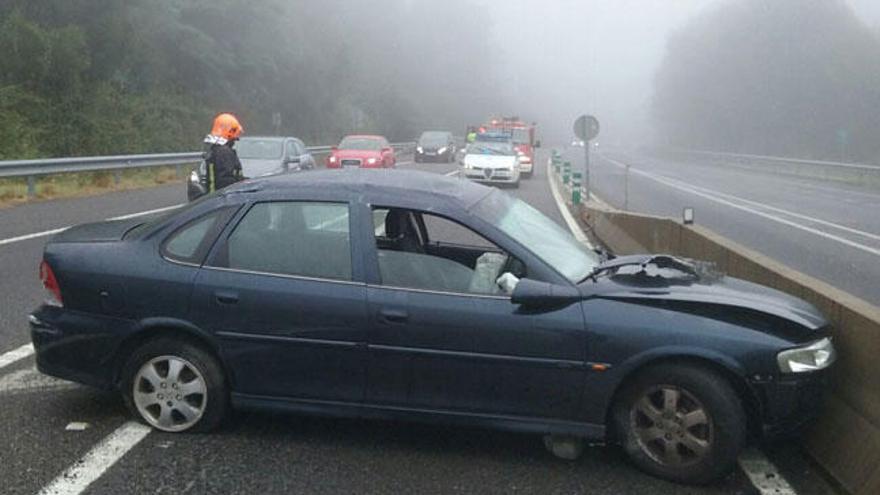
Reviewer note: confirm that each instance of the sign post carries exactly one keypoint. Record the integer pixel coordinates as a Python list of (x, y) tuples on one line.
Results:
[(586, 127)]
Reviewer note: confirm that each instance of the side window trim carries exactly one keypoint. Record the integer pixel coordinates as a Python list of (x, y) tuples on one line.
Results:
[(207, 243)]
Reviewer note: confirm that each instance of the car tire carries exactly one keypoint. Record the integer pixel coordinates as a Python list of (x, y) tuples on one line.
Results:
[(194, 399), (650, 421)]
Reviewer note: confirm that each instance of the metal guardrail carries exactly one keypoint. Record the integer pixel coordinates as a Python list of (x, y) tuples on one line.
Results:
[(776, 159), (854, 173), (36, 168)]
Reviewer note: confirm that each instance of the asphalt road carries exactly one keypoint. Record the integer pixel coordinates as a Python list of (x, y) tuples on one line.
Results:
[(261, 453), (828, 230)]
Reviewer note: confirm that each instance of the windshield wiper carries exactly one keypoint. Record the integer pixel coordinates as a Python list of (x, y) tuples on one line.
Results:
[(660, 261)]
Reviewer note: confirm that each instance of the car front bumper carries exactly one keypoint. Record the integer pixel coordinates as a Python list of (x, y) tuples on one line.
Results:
[(194, 190), (790, 402), (490, 176), (432, 157)]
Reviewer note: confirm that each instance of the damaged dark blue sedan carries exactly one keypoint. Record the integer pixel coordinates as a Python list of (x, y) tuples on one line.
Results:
[(414, 296)]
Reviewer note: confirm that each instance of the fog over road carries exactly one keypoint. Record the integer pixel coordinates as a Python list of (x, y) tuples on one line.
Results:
[(822, 228)]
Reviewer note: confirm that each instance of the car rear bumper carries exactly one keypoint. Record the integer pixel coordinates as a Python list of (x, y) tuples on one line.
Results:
[(790, 403), (77, 347)]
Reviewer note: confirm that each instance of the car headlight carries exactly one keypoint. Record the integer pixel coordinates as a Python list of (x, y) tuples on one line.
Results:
[(441, 150), (420, 149), (816, 356), (332, 159), (371, 161), (194, 177)]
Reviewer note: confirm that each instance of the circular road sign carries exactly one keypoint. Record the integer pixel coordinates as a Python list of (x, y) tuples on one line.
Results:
[(586, 127)]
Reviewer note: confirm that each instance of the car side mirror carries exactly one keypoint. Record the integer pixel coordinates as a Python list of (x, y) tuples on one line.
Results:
[(334, 148), (535, 294), (386, 150), (537, 144)]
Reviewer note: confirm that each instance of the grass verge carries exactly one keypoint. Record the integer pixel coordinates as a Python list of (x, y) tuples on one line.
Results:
[(13, 191)]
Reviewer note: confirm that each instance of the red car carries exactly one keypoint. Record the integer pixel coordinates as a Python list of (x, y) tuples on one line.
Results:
[(362, 152)]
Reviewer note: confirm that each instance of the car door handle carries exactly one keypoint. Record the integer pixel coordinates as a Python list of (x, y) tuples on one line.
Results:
[(226, 298), (393, 316)]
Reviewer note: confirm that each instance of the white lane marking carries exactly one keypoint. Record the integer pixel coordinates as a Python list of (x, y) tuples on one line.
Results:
[(16, 354), (77, 426), (62, 229), (450, 174), (77, 478), (573, 225), (712, 197), (31, 380), (31, 236), (763, 474), (148, 212), (778, 210)]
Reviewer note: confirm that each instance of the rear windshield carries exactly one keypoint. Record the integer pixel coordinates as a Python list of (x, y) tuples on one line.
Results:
[(356, 143), (259, 149)]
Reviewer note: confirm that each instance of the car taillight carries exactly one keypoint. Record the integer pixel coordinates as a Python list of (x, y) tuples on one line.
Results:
[(50, 283)]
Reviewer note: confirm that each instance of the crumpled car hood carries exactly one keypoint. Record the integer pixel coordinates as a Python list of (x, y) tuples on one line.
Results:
[(715, 289)]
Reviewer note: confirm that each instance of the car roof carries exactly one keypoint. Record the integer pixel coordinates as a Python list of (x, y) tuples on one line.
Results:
[(426, 190), (266, 138), (364, 136)]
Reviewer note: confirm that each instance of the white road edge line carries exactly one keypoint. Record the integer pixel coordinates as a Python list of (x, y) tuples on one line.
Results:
[(763, 474), (563, 209), (77, 478), (16, 355), (62, 229), (690, 189)]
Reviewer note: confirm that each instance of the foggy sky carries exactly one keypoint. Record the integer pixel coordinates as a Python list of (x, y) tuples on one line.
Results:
[(562, 58)]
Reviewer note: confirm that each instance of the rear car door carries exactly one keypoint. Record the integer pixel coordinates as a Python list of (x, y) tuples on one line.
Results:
[(446, 338), (280, 291)]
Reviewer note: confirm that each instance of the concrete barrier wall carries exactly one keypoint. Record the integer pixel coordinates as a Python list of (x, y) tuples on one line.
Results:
[(846, 439)]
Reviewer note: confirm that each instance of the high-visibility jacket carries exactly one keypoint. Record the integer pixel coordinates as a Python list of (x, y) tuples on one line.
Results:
[(223, 167)]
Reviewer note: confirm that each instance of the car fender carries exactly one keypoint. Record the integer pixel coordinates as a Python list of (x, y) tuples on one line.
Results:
[(603, 393), (148, 328)]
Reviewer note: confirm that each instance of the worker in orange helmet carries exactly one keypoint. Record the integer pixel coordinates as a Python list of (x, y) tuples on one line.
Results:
[(223, 165)]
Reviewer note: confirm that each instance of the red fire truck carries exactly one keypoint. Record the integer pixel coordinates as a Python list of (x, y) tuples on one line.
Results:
[(523, 136)]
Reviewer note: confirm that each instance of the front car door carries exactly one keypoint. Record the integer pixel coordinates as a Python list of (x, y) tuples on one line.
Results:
[(445, 338), (281, 292)]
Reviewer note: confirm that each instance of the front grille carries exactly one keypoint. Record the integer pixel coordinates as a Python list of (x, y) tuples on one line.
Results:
[(351, 163)]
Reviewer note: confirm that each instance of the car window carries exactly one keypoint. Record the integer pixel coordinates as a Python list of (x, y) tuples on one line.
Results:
[(292, 238), (443, 231), (189, 243), (292, 149), (463, 262)]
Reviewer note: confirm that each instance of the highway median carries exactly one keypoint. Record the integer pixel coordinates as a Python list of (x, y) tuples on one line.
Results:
[(845, 440)]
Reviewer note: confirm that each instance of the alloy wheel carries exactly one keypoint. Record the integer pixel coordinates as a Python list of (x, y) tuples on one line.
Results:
[(170, 393), (672, 426)]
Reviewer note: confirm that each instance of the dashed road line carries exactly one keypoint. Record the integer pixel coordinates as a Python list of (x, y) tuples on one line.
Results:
[(714, 196), (763, 474), (45, 233), (77, 478), (16, 355), (31, 380)]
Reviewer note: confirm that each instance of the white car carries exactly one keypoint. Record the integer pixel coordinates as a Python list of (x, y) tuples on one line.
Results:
[(493, 162)]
